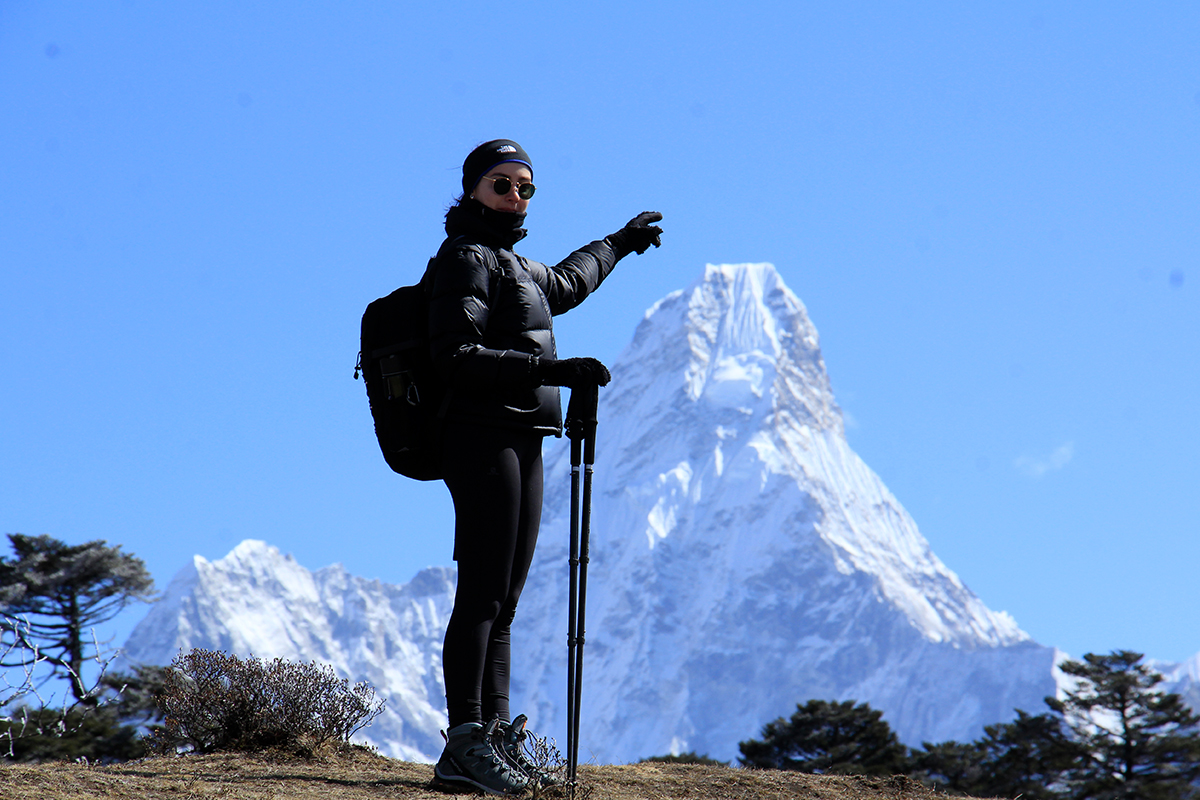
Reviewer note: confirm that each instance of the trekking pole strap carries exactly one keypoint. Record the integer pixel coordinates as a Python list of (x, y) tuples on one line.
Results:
[(581, 415)]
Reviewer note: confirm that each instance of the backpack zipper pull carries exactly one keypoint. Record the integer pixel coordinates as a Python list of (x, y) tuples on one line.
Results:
[(358, 365)]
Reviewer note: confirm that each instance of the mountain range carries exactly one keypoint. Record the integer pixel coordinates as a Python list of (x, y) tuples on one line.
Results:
[(743, 559)]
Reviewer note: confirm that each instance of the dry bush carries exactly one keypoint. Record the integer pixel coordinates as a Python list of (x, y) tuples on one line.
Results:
[(213, 701), (546, 757)]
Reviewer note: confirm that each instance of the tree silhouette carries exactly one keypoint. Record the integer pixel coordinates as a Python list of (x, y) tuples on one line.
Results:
[(61, 592), (1028, 757), (1138, 742), (829, 738)]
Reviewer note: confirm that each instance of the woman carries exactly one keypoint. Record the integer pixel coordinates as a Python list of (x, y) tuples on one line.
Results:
[(492, 343)]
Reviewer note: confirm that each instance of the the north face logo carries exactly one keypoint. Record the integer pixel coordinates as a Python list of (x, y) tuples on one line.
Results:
[(506, 148)]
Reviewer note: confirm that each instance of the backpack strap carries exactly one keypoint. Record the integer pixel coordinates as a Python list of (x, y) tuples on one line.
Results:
[(495, 273)]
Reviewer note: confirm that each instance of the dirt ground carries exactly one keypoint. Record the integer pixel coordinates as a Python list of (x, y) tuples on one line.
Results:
[(362, 774)]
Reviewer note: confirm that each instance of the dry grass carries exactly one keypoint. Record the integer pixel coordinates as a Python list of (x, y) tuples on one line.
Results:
[(361, 774)]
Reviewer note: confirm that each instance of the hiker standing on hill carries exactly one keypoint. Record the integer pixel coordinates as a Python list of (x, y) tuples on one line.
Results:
[(492, 344)]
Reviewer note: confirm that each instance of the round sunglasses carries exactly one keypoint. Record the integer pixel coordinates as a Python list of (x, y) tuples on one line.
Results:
[(503, 186)]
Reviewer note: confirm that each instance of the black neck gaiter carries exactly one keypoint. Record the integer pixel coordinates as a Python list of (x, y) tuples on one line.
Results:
[(487, 226)]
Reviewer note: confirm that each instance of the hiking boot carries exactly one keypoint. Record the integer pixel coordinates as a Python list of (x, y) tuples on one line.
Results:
[(509, 741), (471, 762)]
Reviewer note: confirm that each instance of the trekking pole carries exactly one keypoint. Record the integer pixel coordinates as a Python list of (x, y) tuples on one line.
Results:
[(581, 429)]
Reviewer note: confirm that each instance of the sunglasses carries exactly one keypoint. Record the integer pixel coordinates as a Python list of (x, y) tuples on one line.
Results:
[(503, 186)]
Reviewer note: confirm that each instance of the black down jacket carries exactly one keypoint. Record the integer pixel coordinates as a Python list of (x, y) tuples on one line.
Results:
[(488, 320)]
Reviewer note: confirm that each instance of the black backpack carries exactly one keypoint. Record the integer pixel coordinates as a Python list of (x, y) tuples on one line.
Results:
[(408, 400)]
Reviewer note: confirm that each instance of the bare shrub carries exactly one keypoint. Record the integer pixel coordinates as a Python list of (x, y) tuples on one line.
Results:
[(543, 753), (213, 701), (24, 710), (548, 760), (13, 638)]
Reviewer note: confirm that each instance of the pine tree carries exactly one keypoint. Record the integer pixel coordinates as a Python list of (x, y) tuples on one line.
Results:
[(1139, 742), (60, 592), (1027, 757), (829, 738), (1030, 757), (949, 765)]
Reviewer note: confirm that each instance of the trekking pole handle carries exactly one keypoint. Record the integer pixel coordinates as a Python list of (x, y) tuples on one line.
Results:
[(581, 417)]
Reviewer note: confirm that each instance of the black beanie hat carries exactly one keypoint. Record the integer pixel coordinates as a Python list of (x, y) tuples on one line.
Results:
[(488, 155)]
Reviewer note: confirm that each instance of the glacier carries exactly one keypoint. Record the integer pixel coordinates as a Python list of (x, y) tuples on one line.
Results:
[(743, 559)]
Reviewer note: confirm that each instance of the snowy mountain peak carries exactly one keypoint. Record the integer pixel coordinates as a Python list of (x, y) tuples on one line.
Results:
[(748, 334), (722, 403), (737, 340), (730, 501)]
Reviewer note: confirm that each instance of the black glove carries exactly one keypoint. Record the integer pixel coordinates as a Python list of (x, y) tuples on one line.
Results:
[(637, 235), (571, 372)]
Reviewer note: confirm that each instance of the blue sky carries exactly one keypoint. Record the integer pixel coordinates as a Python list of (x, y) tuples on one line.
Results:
[(991, 211)]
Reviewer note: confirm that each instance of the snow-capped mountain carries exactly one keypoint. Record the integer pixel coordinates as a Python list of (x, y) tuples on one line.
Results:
[(743, 559), (257, 602)]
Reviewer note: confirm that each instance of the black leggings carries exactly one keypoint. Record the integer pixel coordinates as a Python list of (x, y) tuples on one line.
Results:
[(495, 478)]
